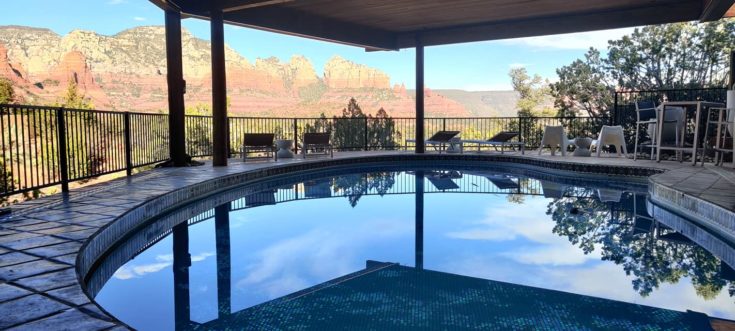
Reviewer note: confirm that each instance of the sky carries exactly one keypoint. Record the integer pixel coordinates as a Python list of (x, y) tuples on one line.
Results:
[(468, 66)]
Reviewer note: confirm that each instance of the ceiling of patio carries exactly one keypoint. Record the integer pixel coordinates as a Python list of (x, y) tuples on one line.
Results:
[(394, 24)]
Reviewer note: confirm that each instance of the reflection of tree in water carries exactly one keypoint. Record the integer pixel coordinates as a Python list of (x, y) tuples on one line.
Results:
[(609, 226), (355, 186), (527, 186)]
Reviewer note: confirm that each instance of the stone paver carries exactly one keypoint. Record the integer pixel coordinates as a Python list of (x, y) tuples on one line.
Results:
[(56, 250), (27, 269), (72, 294), (10, 292), (51, 280), (71, 320), (27, 309), (15, 258), (50, 231)]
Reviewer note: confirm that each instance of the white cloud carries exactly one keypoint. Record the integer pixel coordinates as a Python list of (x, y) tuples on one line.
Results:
[(291, 264), (139, 19), (530, 222), (518, 65), (580, 40), (116, 2), (163, 261)]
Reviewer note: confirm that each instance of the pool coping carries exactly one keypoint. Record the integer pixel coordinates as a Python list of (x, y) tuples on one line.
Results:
[(168, 189)]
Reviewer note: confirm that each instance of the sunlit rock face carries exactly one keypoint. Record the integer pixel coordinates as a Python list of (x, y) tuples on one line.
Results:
[(127, 71), (343, 74)]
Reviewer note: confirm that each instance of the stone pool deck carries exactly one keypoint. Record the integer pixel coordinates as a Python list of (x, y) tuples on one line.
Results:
[(40, 242)]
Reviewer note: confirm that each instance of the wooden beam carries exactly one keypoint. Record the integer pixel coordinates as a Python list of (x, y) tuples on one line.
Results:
[(302, 24), (637, 16), (420, 145), (715, 9), (176, 89), (204, 8), (220, 130)]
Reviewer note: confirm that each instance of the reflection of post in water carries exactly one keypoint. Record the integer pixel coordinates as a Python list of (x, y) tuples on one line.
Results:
[(182, 262), (224, 275), (419, 220)]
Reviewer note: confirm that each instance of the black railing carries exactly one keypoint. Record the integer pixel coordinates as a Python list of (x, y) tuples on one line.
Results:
[(47, 146)]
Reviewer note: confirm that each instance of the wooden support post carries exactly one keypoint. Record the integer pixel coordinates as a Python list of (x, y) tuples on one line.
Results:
[(219, 91), (176, 89), (419, 96)]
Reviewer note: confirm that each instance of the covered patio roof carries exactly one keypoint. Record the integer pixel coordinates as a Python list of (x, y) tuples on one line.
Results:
[(395, 24)]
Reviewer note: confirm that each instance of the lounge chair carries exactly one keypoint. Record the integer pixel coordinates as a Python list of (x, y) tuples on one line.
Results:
[(444, 180), (317, 141), (501, 140), (258, 143), (440, 139), (262, 198), (320, 188)]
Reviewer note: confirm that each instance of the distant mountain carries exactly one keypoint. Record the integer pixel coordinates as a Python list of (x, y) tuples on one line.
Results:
[(484, 103), (127, 71)]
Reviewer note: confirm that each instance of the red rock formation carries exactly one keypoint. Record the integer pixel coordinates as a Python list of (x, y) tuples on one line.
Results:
[(12, 72), (73, 68)]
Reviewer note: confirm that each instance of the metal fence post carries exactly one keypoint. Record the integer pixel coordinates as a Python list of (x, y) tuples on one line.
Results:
[(444, 124), (128, 145), (63, 167), (615, 110), (295, 136), (520, 129), (366, 133)]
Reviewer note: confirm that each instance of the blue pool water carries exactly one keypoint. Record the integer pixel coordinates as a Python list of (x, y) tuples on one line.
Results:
[(366, 250)]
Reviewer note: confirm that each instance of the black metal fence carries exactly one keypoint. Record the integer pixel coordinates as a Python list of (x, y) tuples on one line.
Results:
[(624, 106), (47, 146)]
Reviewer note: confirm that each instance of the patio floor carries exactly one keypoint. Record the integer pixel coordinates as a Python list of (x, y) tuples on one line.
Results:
[(40, 240)]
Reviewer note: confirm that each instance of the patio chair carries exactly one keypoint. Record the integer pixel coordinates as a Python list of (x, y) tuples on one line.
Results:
[(554, 136), (502, 139), (553, 189), (611, 135), (440, 139), (317, 141), (258, 143), (645, 116)]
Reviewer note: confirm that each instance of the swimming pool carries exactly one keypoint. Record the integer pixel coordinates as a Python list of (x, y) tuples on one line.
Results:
[(409, 247)]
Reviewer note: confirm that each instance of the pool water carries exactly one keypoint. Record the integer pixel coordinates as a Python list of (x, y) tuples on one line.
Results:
[(471, 249)]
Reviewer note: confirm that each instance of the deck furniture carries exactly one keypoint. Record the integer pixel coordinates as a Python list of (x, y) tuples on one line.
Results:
[(501, 139), (611, 135), (645, 116), (258, 143), (284, 148), (722, 126), (439, 140), (317, 142), (583, 146), (444, 180), (554, 137), (695, 148)]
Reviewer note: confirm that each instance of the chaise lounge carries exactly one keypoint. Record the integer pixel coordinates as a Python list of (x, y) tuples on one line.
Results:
[(502, 139)]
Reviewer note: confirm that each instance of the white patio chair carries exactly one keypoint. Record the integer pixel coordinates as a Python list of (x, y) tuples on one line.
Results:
[(554, 137), (611, 135)]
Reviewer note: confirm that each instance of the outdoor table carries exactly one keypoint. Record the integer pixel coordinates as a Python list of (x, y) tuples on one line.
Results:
[(697, 116), (284, 148)]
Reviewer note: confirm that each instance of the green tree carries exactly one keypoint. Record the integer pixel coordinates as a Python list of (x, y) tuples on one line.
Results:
[(349, 129), (585, 87), (74, 99), (669, 56), (533, 93), (7, 95)]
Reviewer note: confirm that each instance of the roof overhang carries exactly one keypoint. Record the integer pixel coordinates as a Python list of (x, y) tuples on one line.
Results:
[(397, 24)]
